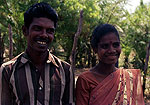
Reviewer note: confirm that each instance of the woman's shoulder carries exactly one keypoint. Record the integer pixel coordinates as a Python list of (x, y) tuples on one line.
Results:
[(129, 70), (85, 74), (134, 72)]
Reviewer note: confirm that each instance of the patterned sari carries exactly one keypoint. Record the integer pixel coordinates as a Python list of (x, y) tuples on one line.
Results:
[(122, 87)]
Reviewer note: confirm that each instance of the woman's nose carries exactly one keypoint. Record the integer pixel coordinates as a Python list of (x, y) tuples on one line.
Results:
[(111, 49)]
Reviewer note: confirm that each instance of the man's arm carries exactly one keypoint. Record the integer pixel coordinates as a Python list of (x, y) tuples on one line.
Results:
[(5, 90), (69, 95)]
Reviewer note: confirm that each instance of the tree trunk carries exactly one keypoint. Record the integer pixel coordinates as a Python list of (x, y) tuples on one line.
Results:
[(89, 55), (73, 53), (10, 42), (93, 60), (1, 49), (126, 62), (145, 67)]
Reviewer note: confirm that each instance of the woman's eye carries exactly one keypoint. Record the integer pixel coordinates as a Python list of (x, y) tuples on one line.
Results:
[(104, 46), (116, 44)]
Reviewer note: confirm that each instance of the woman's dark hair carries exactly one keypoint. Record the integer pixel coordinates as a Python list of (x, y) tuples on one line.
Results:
[(100, 31), (40, 10)]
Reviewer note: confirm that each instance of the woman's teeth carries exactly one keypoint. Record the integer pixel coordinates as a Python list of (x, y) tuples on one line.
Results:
[(39, 42)]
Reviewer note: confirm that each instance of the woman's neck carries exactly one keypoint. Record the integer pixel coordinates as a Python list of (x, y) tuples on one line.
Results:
[(105, 69)]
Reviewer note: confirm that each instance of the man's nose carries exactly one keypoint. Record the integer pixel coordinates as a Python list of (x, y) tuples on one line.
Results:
[(44, 33)]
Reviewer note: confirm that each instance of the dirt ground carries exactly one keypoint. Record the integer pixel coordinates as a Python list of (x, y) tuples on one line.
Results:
[(79, 71)]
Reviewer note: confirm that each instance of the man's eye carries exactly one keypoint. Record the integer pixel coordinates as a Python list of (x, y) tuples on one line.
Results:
[(37, 28), (104, 46), (50, 30), (116, 44)]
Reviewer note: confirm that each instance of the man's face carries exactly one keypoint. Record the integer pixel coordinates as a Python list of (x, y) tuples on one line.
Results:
[(40, 34)]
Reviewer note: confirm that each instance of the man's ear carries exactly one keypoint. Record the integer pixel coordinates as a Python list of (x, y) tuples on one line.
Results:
[(25, 30)]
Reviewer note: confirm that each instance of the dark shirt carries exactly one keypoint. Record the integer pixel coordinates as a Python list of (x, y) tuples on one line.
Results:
[(22, 84)]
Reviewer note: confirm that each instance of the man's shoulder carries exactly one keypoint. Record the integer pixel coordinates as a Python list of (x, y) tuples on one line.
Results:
[(60, 61), (11, 62)]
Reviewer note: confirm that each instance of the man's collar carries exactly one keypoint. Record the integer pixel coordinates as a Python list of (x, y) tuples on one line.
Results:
[(51, 59), (25, 58)]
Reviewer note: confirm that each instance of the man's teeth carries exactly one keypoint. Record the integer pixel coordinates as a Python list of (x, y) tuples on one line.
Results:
[(41, 42)]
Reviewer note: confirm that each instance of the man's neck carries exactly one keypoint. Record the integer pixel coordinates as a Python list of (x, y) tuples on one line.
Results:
[(38, 58)]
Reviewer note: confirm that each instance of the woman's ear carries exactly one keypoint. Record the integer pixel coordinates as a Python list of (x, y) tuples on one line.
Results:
[(25, 30), (95, 50)]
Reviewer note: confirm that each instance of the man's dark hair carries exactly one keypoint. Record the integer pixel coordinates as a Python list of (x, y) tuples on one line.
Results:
[(100, 31), (40, 10)]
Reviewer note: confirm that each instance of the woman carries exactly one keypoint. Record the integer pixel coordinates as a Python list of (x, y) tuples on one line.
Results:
[(105, 84)]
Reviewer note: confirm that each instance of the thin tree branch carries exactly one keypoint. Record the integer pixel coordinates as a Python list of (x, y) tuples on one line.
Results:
[(113, 8), (10, 42), (147, 58), (72, 56), (6, 4)]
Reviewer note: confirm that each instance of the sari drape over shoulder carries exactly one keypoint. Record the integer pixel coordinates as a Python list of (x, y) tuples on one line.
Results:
[(122, 87)]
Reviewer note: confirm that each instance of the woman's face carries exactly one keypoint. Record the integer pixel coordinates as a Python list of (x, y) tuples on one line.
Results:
[(109, 49)]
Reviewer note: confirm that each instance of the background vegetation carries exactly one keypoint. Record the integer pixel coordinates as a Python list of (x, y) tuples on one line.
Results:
[(134, 29)]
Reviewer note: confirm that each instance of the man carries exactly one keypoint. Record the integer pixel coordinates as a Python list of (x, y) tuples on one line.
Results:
[(36, 77)]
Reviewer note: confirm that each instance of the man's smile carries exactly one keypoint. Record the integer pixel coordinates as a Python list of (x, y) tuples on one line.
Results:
[(41, 41)]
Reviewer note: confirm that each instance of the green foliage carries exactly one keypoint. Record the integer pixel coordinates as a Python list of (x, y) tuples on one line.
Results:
[(133, 27), (12, 13), (137, 29)]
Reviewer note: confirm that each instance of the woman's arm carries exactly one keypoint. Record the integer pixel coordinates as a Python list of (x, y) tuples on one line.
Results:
[(82, 91)]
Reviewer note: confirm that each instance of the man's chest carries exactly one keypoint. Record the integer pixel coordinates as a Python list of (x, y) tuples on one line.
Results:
[(29, 85)]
